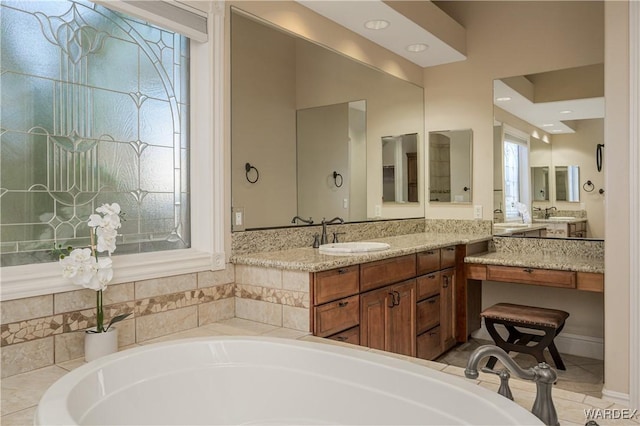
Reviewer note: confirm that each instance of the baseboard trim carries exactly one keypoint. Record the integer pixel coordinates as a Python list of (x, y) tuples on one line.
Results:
[(567, 343), (617, 397)]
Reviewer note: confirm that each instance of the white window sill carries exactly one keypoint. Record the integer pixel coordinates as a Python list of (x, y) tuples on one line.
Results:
[(46, 278)]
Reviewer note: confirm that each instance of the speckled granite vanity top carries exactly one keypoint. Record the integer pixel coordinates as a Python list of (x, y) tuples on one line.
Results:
[(541, 261), (545, 253), (310, 259)]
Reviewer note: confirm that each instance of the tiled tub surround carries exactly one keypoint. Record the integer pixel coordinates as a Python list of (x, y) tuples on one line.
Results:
[(567, 255), (21, 393), (44, 330)]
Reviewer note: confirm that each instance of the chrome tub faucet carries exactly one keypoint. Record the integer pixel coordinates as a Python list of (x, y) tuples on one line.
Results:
[(542, 375)]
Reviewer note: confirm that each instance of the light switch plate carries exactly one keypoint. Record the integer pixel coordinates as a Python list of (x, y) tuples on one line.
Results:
[(237, 219), (477, 212)]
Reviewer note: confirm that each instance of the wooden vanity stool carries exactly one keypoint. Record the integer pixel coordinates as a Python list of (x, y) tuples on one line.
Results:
[(549, 321)]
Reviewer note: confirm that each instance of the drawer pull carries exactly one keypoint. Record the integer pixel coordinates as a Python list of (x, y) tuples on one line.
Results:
[(342, 271), (450, 248), (432, 333), (341, 338), (446, 282), (342, 304), (528, 270), (431, 252), (392, 301), (431, 277), (431, 301)]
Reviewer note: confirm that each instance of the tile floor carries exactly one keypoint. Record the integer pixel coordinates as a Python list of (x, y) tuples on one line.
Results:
[(21, 393), (584, 375)]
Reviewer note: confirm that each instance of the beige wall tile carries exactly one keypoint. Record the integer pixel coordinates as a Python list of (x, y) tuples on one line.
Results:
[(160, 324), (295, 280), (216, 311), (26, 309), (258, 276), (22, 391), (85, 299), (166, 285), (295, 318), (27, 356), (69, 346), (126, 332), (214, 278), (256, 310)]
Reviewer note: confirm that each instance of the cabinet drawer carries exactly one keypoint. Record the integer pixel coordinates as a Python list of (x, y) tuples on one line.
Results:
[(428, 314), (448, 257), (351, 335), (337, 316), (380, 273), (335, 284), (428, 285), (428, 344), (428, 261), (590, 281), (546, 277)]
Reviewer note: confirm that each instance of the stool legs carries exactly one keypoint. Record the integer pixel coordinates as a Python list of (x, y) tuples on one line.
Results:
[(517, 341)]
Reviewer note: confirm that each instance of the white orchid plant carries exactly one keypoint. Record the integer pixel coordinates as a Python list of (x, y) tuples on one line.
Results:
[(83, 267)]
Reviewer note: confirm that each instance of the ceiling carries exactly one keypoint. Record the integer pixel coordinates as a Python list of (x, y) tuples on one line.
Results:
[(400, 33)]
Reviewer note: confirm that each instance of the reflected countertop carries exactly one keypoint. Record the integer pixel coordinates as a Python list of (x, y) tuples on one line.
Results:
[(311, 260)]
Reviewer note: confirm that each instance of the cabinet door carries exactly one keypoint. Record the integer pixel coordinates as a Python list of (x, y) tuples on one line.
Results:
[(447, 309), (401, 322), (388, 318)]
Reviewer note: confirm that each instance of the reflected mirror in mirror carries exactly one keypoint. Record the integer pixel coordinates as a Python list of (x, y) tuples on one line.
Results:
[(331, 158), (567, 183), (450, 170), (400, 168), (277, 79), (540, 182)]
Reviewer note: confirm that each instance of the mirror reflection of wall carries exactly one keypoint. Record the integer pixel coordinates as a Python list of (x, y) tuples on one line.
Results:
[(450, 170), (400, 168)]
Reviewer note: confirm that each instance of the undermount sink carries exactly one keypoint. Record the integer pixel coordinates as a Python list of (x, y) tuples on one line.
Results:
[(353, 247), (511, 225)]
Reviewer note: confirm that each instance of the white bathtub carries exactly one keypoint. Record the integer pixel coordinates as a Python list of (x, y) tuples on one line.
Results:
[(246, 380)]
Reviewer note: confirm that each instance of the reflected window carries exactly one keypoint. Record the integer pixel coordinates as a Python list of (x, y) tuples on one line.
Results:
[(95, 110), (516, 179)]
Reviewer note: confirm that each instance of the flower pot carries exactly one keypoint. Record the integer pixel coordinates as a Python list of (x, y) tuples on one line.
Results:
[(97, 345)]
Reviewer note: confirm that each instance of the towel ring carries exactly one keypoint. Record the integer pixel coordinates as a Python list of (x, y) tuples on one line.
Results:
[(337, 175), (588, 186), (247, 169)]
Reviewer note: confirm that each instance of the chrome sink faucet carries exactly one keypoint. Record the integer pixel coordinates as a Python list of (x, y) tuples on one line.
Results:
[(542, 375), (547, 211), (324, 239)]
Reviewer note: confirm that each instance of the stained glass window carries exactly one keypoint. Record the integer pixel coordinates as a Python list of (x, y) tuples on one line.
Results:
[(94, 109)]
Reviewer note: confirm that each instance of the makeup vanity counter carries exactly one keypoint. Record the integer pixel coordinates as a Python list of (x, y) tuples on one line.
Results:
[(543, 260)]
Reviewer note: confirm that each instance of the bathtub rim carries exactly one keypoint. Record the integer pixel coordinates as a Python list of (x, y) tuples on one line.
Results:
[(55, 397)]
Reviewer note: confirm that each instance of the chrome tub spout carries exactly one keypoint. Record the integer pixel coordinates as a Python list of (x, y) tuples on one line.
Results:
[(542, 375)]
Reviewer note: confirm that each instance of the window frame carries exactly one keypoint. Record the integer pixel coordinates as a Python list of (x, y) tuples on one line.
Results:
[(206, 187), (524, 180)]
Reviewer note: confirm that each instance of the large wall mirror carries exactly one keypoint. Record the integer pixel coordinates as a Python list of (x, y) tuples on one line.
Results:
[(450, 170), (311, 122), (557, 118)]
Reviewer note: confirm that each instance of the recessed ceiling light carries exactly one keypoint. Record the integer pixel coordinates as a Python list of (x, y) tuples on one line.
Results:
[(503, 99), (418, 47), (547, 125), (376, 24), (566, 111)]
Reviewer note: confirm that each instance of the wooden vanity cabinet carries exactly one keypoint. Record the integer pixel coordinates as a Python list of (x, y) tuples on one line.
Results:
[(436, 322), (388, 318), (336, 302)]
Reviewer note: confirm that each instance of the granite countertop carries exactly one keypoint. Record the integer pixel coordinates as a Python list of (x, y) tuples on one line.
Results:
[(310, 259), (543, 261), (508, 230)]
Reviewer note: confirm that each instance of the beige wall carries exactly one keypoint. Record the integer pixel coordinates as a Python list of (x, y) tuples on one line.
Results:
[(616, 174)]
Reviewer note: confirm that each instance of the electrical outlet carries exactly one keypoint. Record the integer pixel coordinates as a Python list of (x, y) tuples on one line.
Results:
[(377, 211), (345, 203), (237, 219), (477, 212)]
